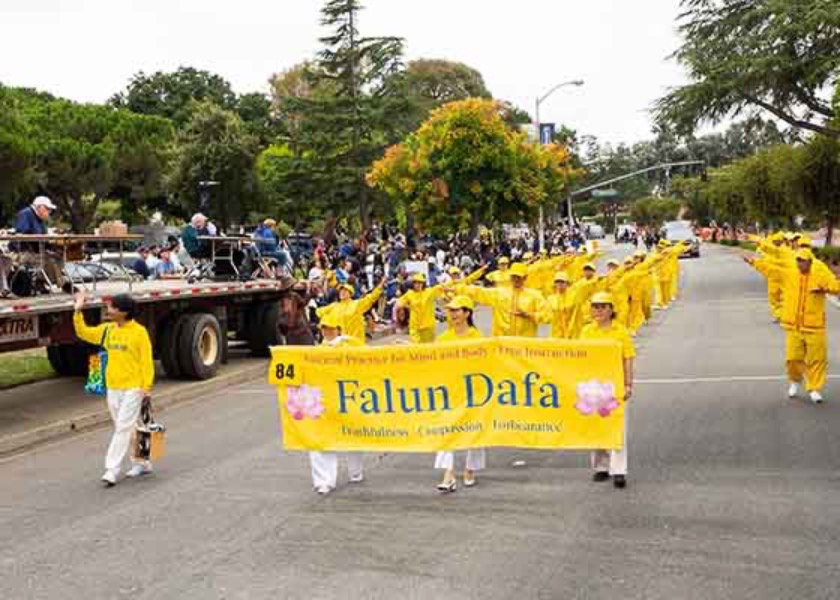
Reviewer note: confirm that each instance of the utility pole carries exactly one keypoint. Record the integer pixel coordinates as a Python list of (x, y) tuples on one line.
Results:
[(540, 100)]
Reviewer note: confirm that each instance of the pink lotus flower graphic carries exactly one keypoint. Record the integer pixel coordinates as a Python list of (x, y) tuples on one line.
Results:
[(304, 402), (596, 397)]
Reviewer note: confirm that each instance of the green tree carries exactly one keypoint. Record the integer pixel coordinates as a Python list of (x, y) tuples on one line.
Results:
[(756, 57), (142, 155), (215, 146), (341, 133), (431, 83), (767, 183), (172, 95), (654, 212), (255, 111), (819, 181), (17, 155), (725, 194)]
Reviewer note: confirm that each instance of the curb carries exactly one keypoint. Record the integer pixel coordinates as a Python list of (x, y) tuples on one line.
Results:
[(20, 442), (26, 440)]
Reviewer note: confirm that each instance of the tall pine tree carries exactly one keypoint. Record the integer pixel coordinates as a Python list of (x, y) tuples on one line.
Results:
[(343, 132)]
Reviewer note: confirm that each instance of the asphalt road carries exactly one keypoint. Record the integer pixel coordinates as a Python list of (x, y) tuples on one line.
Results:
[(734, 493)]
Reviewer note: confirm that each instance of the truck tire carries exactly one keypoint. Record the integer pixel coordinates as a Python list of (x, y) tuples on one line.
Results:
[(262, 330), (200, 346), (56, 358), (70, 360), (169, 347)]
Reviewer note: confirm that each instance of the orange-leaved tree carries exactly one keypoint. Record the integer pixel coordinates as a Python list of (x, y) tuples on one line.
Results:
[(465, 166)]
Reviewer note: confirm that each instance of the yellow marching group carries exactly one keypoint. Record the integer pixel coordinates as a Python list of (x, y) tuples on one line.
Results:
[(564, 290), (797, 285)]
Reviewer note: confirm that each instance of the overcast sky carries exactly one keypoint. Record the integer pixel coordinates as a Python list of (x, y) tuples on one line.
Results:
[(87, 50)]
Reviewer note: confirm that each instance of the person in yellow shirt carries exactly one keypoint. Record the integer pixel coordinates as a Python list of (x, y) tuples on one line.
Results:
[(664, 275), (581, 291), (517, 311), (351, 313), (638, 284), (561, 308), (803, 319), (420, 302), (129, 375), (617, 284), (771, 246), (461, 310), (501, 277), (611, 463), (324, 465)]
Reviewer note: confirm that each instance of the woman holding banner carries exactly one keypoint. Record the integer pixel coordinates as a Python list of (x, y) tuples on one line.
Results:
[(324, 465), (604, 327), (460, 310)]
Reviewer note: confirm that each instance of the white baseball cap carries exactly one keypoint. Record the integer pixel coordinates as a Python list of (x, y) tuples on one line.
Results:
[(44, 201)]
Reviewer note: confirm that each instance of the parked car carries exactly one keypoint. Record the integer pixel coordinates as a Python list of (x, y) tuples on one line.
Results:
[(78, 273), (681, 231), (595, 232)]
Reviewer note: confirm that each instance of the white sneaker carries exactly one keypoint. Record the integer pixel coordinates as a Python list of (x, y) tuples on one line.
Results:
[(139, 469), (793, 390), (357, 478), (109, 479), (816, 397), (323, 489)]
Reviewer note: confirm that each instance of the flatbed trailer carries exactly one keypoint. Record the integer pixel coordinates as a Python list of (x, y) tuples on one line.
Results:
[(190, 324)]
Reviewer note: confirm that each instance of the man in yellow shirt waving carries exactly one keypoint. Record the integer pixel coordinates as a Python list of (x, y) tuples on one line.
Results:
[(129, 375)]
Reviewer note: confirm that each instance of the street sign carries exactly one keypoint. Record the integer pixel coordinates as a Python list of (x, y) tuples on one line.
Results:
[(605, 194), (546, 133)]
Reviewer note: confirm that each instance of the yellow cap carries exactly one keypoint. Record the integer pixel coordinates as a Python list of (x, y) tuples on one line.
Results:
[(348, 287), (628, 260), (454, 271), (543, 252), (528, 256), (590, 266), (804, 254), (504, 260), (804, 242), (461, 302), (664, 243), (418, 278), (640, 254), (518, 270), (602, 298), (613, 263), (561, 276), (330, 319), (789, 236), (795, 235)]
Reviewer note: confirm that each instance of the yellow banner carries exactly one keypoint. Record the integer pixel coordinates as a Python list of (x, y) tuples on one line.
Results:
[(514, 392)]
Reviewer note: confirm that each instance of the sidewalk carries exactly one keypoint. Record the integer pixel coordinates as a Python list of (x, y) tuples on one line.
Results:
[(36, 413)]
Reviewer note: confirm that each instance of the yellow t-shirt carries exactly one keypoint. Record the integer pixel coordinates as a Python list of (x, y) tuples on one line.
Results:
[(615, 331), (130, 362), (451, 336)]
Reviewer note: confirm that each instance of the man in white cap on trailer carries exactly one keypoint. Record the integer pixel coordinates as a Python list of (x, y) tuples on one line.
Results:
[(32, 220)]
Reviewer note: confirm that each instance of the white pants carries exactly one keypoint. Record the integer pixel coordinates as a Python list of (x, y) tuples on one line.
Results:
[(613, 462), (124, 406), (475, 460), (325, 467)]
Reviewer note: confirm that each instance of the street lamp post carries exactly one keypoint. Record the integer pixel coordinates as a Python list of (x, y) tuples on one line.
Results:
[(540, 100)]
